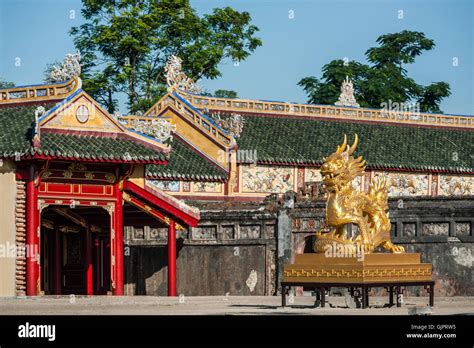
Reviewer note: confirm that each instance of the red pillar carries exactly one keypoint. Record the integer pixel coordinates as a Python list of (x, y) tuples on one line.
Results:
[(118, 290), (89, 282), (172, 259), (96, 264), (32, 240), (57, 261)]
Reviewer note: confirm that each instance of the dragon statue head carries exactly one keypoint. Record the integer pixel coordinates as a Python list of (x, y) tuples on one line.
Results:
[(340, 168), (346, 205)]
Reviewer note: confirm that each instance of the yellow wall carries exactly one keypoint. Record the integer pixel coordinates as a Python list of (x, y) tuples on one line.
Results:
[(7, 227), (138, 175), (203, 143), (66, 118)]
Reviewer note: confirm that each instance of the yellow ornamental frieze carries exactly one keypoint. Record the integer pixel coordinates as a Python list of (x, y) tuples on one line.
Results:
[(367, 273)]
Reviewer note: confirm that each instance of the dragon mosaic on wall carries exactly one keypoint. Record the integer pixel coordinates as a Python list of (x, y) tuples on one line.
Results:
[(345, 205)]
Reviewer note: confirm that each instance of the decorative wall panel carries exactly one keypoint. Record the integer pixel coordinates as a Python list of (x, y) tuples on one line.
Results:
[(207, 187), (405, 184), (205, 232), (313, 174), (456, 185), (463, 229), (257, 179), (249, 231), (172, 186), (435, 229), (409, 229)]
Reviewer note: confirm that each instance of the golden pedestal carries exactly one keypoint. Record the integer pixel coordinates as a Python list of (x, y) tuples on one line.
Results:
[(372, 268)]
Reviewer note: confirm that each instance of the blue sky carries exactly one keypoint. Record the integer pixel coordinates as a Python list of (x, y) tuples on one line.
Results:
[(36, 31)]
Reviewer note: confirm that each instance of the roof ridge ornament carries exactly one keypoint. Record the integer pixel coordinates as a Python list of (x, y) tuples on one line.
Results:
[(346, 98), (69, 68), (39, 111), (232, 122), (158, 128), (176, 79)]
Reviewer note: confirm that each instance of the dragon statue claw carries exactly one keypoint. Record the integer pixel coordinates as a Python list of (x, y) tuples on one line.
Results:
[(345, 205)]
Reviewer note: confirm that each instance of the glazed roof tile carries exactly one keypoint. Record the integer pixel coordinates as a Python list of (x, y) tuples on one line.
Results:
[(287, 140), (17, 122), (186, 164)]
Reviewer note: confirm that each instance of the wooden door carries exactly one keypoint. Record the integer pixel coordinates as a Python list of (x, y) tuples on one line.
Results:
[(101, 262), (74, 262)]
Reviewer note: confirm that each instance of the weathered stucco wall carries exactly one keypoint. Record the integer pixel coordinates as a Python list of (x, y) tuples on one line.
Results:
[(233, 239), (230, 252), (201, 270), (441, 228), (7, 228)]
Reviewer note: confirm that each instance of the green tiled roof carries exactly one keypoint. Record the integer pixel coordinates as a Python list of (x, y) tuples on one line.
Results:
[(288, 140), (97, 147), (186, 164), (16, 125), (16, 128)]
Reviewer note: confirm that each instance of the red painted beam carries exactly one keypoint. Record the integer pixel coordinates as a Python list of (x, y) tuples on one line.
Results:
[(32, 240), (169, 208), (172, 259)]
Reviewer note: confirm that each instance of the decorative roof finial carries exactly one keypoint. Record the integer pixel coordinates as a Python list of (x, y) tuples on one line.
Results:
[(233, 123), (40, 111), (176, 78), (69, 68), (159, 128), (346, 98)]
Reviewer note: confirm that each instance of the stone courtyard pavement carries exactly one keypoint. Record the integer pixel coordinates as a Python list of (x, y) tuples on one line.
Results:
[(218, 305)]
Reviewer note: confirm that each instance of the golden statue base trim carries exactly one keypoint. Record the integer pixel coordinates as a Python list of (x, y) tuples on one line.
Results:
[(376, 267)]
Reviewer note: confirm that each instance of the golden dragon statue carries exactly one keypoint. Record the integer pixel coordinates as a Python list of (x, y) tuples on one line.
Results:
[(345, 205)]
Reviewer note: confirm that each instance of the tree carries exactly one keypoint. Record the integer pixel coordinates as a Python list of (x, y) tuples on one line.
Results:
[(6, 84), (125, 44), (384, 79), (224, 93)]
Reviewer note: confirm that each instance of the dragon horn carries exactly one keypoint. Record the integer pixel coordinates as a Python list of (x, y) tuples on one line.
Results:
[(354, 145), (341, 148)]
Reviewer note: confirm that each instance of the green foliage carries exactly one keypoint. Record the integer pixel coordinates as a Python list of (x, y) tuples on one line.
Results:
[(432, 95), (224, 93), (125, 44), (6, 84), (384, 80)]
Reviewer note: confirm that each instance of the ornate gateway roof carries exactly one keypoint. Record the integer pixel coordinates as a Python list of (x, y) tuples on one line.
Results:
[(74, 129)]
